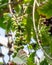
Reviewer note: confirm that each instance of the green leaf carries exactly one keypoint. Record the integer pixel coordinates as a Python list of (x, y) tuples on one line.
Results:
[(21, 57), (44, 62), (2, 23), (30, 60), (46, 9), (32, 55), (28, 28)]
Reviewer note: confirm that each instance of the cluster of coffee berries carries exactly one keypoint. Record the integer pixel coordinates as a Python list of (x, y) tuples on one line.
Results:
[(48, 22)]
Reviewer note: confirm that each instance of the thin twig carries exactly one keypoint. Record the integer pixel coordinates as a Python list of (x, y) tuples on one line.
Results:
[(17, 18), (10, 9), (35, 29)]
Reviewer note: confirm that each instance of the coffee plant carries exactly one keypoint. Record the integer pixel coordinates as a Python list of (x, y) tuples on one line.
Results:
[(28, 19)]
